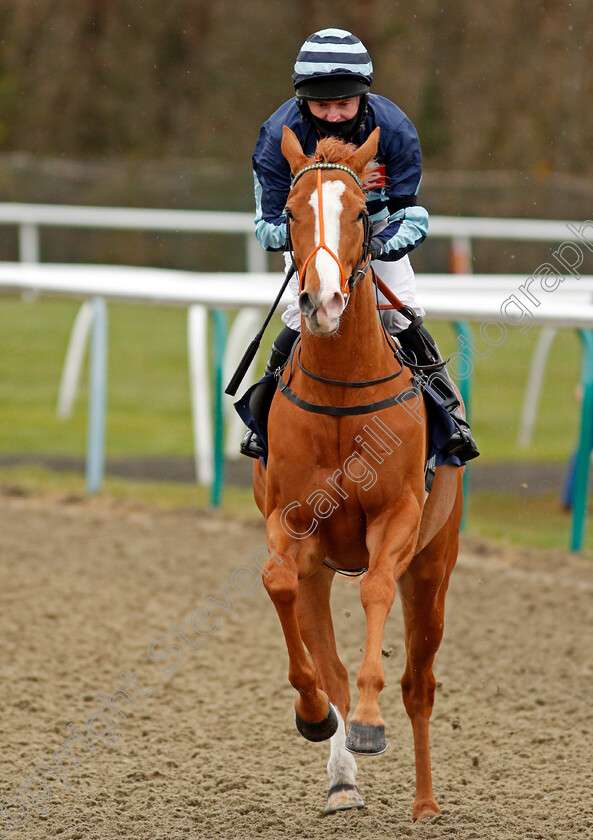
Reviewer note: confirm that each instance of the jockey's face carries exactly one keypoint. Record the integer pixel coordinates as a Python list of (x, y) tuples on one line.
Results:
[(335, 110)]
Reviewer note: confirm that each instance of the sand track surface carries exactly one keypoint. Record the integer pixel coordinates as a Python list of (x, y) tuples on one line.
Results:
[(210, 750)]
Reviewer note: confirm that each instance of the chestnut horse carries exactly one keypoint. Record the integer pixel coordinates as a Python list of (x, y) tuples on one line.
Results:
[(344, 489)]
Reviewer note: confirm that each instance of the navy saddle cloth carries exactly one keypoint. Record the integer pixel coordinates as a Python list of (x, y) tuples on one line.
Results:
[(440, 424)]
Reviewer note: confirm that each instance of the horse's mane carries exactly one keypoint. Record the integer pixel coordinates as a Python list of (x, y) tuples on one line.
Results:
[(332, 150)]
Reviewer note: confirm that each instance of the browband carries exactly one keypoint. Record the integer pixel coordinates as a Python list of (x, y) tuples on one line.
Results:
[(320, 165)]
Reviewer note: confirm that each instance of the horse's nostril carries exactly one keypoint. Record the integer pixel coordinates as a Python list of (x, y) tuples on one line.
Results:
[(334, 305), (306, 304)]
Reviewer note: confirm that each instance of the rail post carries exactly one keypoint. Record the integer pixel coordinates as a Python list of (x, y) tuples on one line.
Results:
[(29, 242), (95, 460), (197, 329), (581, 485), (464, 331), (460, 255), (219, 319)]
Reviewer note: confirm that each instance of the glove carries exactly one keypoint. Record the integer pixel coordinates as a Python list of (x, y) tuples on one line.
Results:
[(376, 249)]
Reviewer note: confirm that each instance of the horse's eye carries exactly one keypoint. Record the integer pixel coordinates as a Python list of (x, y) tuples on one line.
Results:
[(289, 215), (361, 215)]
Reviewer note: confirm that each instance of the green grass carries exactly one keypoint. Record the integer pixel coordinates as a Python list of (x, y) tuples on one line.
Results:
[(28, 480), (499, 383), (148, 395), (501, 518), (518, 521), (148, 402), (149, 407)]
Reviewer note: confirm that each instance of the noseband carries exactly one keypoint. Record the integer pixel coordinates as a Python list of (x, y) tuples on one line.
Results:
[(359, 270)]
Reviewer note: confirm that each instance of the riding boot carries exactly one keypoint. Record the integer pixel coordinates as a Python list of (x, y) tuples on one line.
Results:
[(420, 349), (263, 393)]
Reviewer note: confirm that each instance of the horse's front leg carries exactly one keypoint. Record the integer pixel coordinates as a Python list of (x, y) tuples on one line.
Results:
[(315, 622), (316, 717), (391, 542)]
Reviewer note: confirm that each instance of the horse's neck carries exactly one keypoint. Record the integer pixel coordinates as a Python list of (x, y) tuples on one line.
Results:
[(358, 350)]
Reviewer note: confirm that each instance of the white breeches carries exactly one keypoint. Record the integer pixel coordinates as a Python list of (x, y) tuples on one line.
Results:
[(398, 277)]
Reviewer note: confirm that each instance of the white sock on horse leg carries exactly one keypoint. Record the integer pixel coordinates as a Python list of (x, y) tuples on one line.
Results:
[(341, 767)]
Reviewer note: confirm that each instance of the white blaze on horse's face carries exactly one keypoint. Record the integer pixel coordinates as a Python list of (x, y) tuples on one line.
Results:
[(330, 300)]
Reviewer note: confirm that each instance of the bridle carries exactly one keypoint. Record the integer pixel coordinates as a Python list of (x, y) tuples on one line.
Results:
[(358, 272), (361, 267), (346, 286)]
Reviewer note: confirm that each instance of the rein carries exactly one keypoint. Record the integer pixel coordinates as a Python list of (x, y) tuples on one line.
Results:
[(346, 286), (339, 410), (346, 382)]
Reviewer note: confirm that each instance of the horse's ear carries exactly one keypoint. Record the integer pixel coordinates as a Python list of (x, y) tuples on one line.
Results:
[(365, 153), (292, 151)]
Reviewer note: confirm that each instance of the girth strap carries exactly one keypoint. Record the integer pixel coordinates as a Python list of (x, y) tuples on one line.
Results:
[(346, 572)]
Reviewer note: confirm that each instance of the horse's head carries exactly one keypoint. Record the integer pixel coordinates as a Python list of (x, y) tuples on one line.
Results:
[(326, 211)]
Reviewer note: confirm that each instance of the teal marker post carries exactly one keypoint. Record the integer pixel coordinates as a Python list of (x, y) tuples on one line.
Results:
[(462, 328), (218, 347), (581, 487)]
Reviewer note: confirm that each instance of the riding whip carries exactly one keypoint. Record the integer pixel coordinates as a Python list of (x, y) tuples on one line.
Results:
[(249, 354)]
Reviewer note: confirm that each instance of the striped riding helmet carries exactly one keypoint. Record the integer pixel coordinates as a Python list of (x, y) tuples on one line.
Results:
[(332, 64)]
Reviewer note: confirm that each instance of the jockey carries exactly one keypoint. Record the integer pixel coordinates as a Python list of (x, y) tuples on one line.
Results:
[(332, 78)]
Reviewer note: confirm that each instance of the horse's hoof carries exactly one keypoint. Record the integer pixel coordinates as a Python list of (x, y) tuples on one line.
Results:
[(425, 811), (320, 731), (365, 739), (343, 797)]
